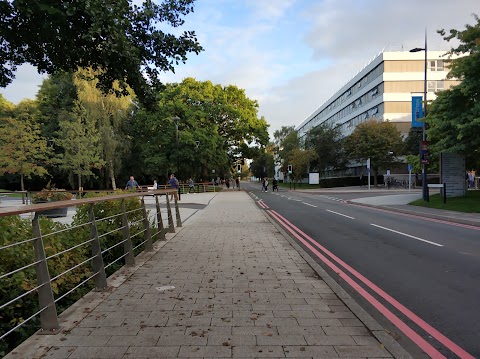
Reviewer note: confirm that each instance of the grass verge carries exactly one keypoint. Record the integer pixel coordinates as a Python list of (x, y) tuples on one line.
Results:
[(470, 203)]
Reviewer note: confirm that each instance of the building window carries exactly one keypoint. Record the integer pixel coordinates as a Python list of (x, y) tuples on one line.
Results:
[(374, 110), (349, 92), (435, 86), (436, 65), (375, 91)]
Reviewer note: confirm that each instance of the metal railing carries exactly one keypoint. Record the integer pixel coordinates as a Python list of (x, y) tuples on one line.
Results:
[(105, 234)]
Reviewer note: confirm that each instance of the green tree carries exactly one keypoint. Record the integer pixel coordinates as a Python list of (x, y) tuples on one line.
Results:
[(78, 138), (454, 116), (301, 160), (222, 119), (263, 166), (125, 41), (288, 144), (327, 142), (24, 150), (109, 113), (380, 141)]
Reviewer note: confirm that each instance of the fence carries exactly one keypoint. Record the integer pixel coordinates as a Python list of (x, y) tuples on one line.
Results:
[(44, 262)]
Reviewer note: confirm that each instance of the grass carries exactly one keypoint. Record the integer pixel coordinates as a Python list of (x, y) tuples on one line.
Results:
[(470, 203), (19, 195)]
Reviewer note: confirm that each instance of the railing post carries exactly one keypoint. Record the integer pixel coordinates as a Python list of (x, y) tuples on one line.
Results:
[(127, 245), (171, 227), (177, 213), (161, 230), (146, 225), (97, 261), (48, 317)]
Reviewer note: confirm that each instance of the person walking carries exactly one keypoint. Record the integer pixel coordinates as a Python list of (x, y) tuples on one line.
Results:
[(266, 184), (173, 184), (263, 184), (274, 185), (237, 182), (191, 184), (131, 184)]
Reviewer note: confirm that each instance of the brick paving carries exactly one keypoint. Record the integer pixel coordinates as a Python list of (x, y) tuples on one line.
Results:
[(240, 291)]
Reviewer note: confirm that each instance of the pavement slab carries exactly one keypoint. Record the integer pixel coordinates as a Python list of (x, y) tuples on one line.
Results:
[(239, 289)]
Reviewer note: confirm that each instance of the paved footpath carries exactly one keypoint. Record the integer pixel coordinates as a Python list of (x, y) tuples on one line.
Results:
[(227, 285)]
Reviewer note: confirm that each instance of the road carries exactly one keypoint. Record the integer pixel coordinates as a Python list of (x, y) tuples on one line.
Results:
[(424, 275)]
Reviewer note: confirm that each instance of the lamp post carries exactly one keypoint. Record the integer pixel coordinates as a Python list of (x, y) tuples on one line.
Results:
[(176, 120), (424, 125)]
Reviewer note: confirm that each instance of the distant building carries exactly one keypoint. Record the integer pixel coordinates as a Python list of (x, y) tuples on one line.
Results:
[(383, 89)]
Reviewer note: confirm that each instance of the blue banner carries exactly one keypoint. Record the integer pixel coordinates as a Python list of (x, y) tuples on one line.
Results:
[(417, 111)]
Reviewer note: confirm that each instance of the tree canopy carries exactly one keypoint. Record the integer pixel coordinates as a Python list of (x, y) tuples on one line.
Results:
[(120, 40), (377, 140), (454, 117)]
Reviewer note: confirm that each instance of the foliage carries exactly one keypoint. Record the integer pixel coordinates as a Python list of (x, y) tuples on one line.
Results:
[(288, 141), (263, 166), (454, 117), (51, 195), (78, 137), (222, 119), (14, 230), (24, 150), (123, 40), (301, 162), (377, 140), (327, 142), (110, 114)]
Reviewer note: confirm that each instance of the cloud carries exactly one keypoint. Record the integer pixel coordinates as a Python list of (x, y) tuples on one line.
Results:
[(25, 86), (268, 9)]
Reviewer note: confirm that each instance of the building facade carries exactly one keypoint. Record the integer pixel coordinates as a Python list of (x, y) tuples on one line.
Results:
[(383, 89)]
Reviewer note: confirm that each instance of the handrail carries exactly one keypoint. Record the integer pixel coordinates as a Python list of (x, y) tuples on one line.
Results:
[(4, 212), (92, 266)]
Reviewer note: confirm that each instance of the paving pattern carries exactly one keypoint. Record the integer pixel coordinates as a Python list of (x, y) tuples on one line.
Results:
[(228, 285)]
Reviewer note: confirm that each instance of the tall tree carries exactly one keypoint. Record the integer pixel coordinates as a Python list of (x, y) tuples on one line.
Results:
[(327, 142), (454, 117), (24, 150), (301, 160), (109, 113), (377, 140), (78, 137), (290, 143), (125, 41)]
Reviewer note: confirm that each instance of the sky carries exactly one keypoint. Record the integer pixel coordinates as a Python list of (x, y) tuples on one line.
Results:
[(293, 55)]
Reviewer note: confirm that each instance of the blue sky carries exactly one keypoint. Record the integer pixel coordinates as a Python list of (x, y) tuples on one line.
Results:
[(292, 55)]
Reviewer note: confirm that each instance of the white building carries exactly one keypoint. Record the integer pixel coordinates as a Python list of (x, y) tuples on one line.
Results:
[(383, 89)]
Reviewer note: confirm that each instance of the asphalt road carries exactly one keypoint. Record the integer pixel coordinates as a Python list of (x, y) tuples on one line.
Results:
[(430, 267)]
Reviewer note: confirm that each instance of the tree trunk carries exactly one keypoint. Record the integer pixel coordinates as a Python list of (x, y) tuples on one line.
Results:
[(22, 184), (79, 182), (112, 175)]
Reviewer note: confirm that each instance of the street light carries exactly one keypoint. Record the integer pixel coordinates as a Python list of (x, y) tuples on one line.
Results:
[(176, 120), (424, 134)]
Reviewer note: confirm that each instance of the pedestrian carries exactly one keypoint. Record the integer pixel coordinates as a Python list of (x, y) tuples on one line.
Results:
[(274, 185), (227, 183), (191, 184), (173, 184), (237, 182), (266, 184), (155, 185), (131, 184), (232, 182), (263, 184), (361, 179)]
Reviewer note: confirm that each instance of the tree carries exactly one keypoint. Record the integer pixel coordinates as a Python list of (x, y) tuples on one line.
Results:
[(454, 117), (109, 113), (122, 40), (290, 142), (377, 140), (79, 140), (222, 119), (24, 150), (327, 142), (263, 166), (301, 161)]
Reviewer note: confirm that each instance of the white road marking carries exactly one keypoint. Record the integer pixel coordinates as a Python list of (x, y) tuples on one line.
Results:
[(340, 214), (407, 235), (308, 204)]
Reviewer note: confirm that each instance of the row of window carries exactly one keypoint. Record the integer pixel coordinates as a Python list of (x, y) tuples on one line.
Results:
[(436, 65)]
